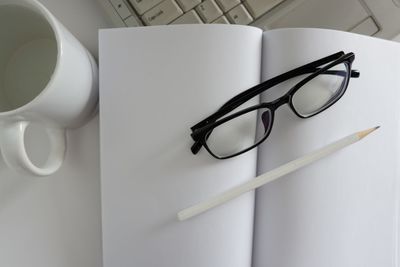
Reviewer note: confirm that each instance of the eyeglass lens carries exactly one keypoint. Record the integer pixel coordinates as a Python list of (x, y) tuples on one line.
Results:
[(321, 91), (239, 133)]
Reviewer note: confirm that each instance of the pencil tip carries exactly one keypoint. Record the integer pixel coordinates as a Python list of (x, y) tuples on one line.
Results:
[(364, 133), (181, 216)]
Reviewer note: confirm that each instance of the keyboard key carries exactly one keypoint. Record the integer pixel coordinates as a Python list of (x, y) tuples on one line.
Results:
[(188, 4), (227, 5), (132, 22), (209, 10), (121, 8), (367, 27), (259, 7), (190, 17), (163, 13), (239, 15), (142, 6), (221, 20)]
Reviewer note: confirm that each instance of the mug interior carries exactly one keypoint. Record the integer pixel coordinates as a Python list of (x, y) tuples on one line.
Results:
[(28, 55)]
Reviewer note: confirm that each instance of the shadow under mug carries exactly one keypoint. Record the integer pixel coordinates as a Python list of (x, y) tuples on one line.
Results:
[(46, 77)]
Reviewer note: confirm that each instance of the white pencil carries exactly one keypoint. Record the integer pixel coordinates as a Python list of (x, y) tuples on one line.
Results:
[(272, 175)]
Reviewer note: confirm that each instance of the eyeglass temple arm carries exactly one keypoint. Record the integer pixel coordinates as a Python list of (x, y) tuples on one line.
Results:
[(255, 90), (249, 93)]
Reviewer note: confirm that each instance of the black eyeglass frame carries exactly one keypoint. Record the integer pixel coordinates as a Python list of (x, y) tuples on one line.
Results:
[(203, 129)]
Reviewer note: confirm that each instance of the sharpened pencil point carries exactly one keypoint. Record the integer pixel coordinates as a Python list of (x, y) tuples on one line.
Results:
[(364, 133)]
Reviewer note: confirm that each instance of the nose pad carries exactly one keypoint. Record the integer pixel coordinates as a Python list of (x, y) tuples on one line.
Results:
[(266, 120)]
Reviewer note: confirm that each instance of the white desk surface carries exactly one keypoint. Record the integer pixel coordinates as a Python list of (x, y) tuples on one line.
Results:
[(56, 221)]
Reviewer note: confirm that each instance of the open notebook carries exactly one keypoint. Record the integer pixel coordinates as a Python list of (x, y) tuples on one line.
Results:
[(156, 82)]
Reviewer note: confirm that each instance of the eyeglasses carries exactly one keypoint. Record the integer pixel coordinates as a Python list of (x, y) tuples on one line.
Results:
[(225, 134)]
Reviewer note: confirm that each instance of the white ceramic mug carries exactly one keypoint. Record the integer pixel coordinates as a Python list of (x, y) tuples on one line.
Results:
[(46, 77)]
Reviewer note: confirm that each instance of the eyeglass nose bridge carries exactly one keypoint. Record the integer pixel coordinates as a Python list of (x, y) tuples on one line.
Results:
[(280, 101)]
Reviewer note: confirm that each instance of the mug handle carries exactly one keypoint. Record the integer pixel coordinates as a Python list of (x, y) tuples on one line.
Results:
[(14, 153)]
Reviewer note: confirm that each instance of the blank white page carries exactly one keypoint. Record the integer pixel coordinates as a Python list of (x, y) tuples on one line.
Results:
[(155, 83), (342, 210)]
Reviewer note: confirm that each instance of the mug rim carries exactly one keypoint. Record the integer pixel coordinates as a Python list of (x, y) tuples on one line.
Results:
[(39, 8)]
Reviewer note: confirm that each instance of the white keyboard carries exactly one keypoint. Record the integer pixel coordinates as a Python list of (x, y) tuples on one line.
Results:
[(370, 17), (132, 13)]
